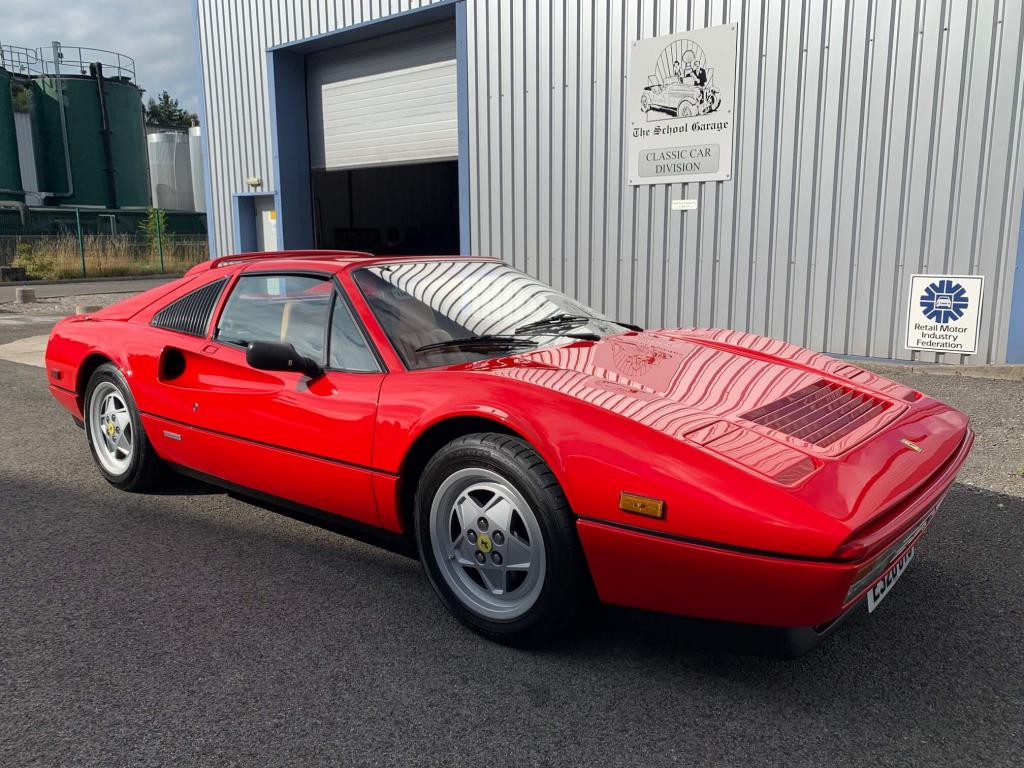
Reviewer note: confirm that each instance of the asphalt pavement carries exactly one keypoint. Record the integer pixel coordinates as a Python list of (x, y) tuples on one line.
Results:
[(189, 627)]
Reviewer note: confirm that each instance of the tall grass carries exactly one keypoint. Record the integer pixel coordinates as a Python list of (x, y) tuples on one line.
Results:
[(58, 257)]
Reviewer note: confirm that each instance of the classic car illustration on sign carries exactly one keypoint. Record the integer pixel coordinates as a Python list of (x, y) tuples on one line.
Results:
[(682, 84), (534, 454)]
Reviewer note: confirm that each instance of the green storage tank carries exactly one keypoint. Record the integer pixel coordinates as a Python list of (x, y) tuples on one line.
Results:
[(106, 139), (10, 167)]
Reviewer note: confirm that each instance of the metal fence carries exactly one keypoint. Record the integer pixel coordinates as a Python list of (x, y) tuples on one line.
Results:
[(69, 243)]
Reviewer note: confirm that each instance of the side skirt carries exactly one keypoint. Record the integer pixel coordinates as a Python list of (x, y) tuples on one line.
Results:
[(353, 529)]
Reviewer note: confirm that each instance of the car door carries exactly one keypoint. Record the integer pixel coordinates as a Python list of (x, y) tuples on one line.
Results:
[(281, 433)]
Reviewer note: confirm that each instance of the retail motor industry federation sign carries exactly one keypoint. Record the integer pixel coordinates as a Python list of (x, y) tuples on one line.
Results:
[(680, 106), (944, 313)]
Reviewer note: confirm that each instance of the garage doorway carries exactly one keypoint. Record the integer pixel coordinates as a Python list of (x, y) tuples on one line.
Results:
[(383, 125), (395, 209)]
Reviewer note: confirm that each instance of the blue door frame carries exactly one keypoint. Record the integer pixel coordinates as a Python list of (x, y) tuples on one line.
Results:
[(244, 220), (289, 133)]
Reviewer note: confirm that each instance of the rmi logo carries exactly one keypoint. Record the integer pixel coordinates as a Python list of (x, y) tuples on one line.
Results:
[(944, 301)]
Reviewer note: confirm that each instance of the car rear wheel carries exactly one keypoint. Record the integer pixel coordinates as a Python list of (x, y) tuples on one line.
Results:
[(497, 540), (113, 428)]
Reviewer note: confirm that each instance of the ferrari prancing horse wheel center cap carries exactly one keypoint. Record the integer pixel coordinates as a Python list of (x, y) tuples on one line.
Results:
[(483, 543)]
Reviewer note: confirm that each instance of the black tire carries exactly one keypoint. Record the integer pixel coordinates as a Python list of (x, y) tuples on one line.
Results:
[(566, 591), (144, 467)]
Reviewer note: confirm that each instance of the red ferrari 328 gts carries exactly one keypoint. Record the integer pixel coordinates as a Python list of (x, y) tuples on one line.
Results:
[(533, 451)]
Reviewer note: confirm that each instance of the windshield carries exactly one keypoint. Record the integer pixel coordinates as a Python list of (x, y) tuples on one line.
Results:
[(421, 305)]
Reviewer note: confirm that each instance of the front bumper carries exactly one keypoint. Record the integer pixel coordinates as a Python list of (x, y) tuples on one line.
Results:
[(670, 574), (657, 573)]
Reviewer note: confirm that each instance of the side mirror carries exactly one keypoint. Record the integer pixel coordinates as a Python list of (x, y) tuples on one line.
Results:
[(280, 356)]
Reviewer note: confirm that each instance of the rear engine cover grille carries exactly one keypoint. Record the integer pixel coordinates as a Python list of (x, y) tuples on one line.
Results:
[(820, 413)]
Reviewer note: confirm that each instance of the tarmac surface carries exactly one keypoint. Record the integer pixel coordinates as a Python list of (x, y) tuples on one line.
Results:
[(190, 627)]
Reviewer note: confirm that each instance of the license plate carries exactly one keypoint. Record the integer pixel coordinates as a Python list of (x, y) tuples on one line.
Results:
[(884, 585)]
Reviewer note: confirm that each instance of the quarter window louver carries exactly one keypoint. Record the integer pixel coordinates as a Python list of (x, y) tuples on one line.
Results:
[(191, 313), (820, 413)]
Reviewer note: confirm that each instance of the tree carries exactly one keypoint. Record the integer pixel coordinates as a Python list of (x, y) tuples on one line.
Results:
[(165, 112), (19, 97)]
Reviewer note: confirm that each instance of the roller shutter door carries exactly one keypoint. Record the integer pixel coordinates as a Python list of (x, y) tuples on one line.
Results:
[(385, 101)]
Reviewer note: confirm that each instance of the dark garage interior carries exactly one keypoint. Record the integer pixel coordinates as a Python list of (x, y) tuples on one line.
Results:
[(397, 209)]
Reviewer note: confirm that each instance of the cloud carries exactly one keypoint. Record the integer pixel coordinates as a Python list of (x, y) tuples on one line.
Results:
[(158, 34)]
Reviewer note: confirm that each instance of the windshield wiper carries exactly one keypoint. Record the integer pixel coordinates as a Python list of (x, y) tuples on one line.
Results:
[(562, 319), (499, 341), (487, 341)]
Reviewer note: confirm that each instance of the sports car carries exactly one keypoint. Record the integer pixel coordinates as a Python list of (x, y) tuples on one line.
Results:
[(533, 453)]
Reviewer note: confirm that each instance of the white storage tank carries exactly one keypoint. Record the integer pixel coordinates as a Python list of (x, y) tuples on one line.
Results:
[(170, 171), (195, 148)]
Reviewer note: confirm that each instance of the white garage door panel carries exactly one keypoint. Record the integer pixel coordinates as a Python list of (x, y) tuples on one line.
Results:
[(384, 101)]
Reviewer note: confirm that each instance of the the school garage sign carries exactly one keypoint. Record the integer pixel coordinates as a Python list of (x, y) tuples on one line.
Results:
[(944, 312), (680, 106)]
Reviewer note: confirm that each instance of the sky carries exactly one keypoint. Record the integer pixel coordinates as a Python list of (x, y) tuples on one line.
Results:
[(158, 34)]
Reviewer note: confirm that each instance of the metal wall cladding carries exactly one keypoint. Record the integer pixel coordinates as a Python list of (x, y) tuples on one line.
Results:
[(874, 140)]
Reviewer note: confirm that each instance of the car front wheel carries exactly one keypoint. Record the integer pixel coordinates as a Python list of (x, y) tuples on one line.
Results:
[(498, 541)]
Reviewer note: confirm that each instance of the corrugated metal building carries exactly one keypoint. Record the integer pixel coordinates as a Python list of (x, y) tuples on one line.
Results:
[(873, 140)]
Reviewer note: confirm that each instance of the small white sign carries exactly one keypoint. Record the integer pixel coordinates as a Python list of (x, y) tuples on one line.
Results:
[(689, 204), (943, 313), (680, 106)]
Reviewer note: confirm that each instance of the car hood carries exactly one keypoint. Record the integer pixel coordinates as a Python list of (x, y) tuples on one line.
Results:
[(803, 420), (681, 381)]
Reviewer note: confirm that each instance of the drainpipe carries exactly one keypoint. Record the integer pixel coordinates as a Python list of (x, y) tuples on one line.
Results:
[(96, 70)]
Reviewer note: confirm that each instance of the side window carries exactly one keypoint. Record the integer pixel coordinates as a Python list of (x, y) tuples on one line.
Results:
[(290, 308), (349, 349)]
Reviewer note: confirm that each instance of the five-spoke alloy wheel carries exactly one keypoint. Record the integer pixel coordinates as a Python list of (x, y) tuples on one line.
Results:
[(110, 427), (498, 541), (489, 543), (114, 429)]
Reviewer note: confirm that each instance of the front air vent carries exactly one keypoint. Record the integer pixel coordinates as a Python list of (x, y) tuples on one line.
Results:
[(191, 313), (820, 413)]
